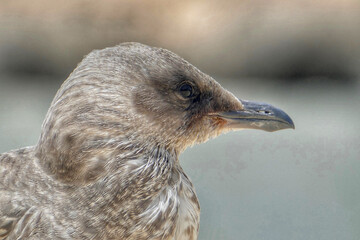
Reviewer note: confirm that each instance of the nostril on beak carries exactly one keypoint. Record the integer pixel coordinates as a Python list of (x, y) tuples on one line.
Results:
[(263, 112)]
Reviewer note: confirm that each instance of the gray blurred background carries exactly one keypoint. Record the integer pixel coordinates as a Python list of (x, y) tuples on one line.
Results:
[(301, 55)]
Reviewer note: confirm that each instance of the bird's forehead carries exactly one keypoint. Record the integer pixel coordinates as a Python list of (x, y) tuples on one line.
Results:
[(163, 66)]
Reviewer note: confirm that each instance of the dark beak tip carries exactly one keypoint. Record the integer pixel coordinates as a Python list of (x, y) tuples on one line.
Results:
[(288, 120), (293, 126)]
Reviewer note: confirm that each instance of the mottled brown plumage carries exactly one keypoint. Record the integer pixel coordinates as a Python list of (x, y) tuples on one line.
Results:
[(106, 165)]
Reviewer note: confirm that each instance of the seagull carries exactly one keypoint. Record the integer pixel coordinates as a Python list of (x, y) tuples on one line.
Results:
[(106, 165)]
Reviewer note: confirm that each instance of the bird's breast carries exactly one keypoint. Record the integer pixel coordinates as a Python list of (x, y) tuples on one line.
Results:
[(187, 226), (175, 211)]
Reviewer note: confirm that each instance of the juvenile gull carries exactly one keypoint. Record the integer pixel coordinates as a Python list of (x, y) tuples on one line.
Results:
[(106, 165)]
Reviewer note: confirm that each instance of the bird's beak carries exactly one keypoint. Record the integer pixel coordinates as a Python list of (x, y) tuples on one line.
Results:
[(257, 115)]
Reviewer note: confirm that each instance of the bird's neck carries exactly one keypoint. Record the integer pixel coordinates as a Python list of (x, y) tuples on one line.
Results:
[(143, 159), (144, 188), (83, 162)]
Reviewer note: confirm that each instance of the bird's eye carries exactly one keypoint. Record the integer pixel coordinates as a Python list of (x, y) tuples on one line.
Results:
[(186, 90)]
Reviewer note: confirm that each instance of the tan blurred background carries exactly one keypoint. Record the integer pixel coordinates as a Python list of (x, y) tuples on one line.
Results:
[(300, 55), (263, 38)]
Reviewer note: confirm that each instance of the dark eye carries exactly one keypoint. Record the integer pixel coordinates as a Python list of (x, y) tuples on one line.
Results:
[(186, 90)]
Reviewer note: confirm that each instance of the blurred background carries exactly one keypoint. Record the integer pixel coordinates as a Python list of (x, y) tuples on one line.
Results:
[(302, 56)]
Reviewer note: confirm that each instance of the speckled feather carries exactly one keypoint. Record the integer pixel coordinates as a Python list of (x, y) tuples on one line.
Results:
[(106, 165)]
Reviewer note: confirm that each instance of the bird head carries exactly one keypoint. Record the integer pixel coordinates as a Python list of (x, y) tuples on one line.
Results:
[(137, 95), (178, 105)]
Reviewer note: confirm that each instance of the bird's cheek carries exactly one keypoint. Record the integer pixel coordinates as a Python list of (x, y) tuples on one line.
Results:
[(209, 127)]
